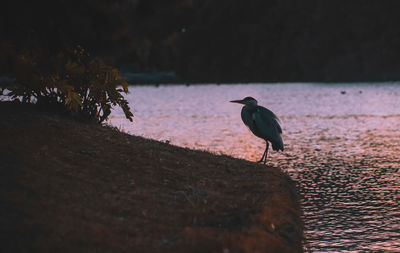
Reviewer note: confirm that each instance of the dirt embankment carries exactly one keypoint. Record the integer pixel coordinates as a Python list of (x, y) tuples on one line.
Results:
[(68, 186)]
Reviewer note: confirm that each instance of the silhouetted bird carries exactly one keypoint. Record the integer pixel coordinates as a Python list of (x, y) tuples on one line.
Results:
[(263, 123)]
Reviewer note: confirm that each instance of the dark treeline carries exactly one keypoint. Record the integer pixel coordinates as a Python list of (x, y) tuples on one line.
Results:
[(220, 41)]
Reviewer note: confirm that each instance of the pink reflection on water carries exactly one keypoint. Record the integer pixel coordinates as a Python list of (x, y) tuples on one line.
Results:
[(343, 149)]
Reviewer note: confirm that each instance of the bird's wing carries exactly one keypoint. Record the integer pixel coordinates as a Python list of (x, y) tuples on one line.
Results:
[(247, 117), (267, 124)]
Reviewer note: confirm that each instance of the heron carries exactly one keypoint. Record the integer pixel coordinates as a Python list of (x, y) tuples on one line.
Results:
[(263, 123)]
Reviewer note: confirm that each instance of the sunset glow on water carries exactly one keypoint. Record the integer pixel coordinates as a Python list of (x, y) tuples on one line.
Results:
[(341, 146)]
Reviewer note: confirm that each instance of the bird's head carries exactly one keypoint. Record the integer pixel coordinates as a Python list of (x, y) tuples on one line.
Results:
[(246, 101)]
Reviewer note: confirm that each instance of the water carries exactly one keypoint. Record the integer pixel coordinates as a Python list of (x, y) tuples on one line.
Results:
[(341, 146)]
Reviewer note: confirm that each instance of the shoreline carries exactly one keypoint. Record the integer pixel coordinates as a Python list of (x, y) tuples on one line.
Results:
[(73, 186)]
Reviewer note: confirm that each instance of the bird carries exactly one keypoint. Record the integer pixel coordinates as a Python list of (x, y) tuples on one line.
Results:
[(263, 123)]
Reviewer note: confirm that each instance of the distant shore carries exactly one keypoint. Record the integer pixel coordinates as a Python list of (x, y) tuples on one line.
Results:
[(171, 78), (68, 186)]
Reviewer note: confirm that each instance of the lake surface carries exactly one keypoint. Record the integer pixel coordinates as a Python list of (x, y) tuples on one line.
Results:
[(341, 146)]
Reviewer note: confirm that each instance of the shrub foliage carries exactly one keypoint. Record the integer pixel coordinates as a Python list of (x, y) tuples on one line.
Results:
[(72, 79)]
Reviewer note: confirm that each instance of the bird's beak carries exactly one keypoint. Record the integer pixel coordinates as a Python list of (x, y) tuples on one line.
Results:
[(237, 101)]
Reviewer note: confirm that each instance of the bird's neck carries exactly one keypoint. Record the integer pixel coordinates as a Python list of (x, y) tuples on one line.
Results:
[(250, 108)]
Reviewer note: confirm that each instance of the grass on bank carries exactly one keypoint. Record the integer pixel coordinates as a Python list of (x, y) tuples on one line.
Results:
[(68, 186)]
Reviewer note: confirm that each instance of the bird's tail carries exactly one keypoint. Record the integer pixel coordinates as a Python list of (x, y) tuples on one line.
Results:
[(277, 145)]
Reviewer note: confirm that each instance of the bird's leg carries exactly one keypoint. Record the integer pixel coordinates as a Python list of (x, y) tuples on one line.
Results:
[(266, 152), (264, 156)]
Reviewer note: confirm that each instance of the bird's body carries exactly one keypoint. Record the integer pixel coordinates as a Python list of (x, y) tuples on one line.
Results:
[(263, 123)]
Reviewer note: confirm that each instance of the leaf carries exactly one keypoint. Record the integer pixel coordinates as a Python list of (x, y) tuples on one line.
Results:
[(125, 85), (74, 68), (64, 86), (106, 111), (74, 101)]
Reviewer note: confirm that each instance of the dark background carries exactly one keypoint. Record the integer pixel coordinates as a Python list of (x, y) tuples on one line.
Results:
[(218, 41)]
